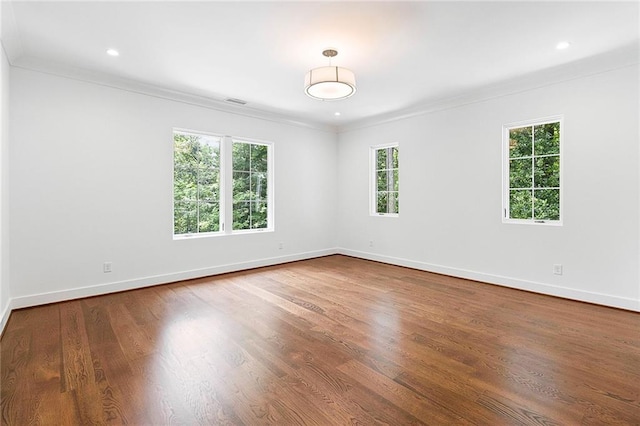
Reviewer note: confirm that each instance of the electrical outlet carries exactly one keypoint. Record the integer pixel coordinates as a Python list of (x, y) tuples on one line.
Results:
[(557, 269), (280, 246), (370, 243), (106, 267)]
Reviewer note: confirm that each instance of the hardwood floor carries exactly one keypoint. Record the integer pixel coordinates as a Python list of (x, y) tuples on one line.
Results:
[(327, 341)]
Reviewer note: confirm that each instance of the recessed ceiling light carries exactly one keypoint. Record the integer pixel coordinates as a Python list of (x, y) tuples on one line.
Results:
[(337, 114), (113, 52), (563, 45)]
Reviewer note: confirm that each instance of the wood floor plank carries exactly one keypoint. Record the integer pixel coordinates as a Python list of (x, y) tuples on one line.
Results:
[(332, 340), (79, 376), (133, 338), (38, 353), (414, 403), (513, 413)]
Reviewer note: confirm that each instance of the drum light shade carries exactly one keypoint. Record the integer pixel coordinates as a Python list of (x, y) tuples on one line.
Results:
[(330, 83)]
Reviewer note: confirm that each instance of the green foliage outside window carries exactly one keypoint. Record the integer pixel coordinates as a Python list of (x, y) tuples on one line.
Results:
[(534, 172), (196, 183), (387, 180), (250, 173)]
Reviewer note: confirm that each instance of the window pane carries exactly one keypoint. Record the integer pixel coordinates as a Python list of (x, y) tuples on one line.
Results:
[(241, 186), (393, 202), (209, 151), (194, 150), (520, 173), (185, 217), (196, 183), (259, 158), (382, 180), (241, 156), (547, 204), (390, 180), (520, 204), (395, 185), (381, 159), (250, 186), (520, 142), (209, 217), (209, 185), (547, 139), (547, 172), (241, 215), (258, 215), (185, 183), (259, 186), (382, 202), (394, 153), (186, 150)]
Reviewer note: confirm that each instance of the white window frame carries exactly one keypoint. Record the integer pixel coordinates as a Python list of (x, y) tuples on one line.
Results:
[(270, 185), (505, 171), (221, 185), (373, 179), (226, 186)]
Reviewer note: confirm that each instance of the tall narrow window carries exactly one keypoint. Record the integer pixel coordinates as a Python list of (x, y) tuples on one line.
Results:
[(250, 185), (385, 180), (532, 178), (196, 183)]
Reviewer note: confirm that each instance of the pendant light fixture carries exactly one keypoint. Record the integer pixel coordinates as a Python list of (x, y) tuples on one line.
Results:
[(330, 83)]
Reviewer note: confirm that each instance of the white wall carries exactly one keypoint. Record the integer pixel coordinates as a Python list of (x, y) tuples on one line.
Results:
[(450, 183), (91, 170), (91, 181), (5, 294)]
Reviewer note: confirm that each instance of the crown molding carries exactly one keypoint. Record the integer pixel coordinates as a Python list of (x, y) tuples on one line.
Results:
[(620, 58), (134, 86), (11, 41), (623, 57)]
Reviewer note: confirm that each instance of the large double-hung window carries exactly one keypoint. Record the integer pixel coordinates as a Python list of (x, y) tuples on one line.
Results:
[(250, 185), (221, 185), (196, 183)]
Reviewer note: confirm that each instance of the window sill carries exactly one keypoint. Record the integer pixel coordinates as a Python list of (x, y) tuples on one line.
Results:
[(220, 234), (250, 231), (533, 222), (197, 236)]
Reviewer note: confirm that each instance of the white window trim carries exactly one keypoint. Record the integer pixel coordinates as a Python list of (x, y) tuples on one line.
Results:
[(226, 186), (221, 186), (373, 187), (270, 186), (505, 170)]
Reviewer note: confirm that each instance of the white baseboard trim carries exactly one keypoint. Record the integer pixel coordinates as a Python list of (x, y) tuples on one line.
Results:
[(536, 287), (97, 290), (4, 316)]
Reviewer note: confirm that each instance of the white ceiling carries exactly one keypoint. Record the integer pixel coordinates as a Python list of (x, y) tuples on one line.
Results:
[(404, 54)]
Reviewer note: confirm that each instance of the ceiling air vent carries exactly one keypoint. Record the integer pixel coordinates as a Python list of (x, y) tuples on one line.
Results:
[(235, 101)]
